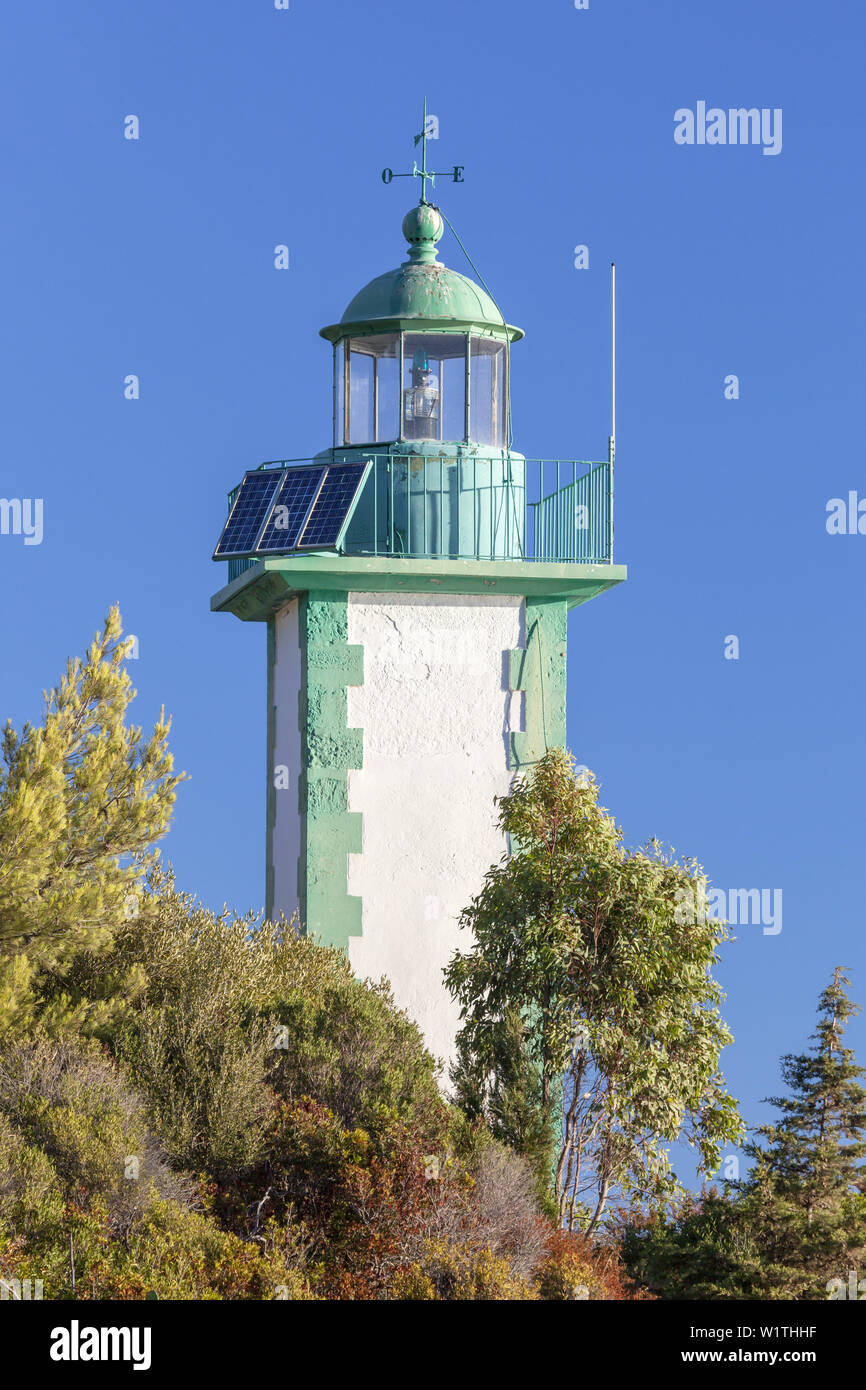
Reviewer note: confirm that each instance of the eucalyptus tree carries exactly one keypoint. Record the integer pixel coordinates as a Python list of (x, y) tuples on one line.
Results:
[(604, 956)]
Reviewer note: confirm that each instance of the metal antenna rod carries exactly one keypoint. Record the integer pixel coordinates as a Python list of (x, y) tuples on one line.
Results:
[(423, 139), (611, 443)]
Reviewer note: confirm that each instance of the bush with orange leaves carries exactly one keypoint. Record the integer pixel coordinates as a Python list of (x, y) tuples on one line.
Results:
[(574, 1268), (378, 1216)]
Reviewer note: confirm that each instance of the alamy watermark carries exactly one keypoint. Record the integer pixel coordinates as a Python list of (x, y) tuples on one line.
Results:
[(77, 1343), (757, 907), (846, 517), (854, 1289), (21, 1290), (22, 516), (738, 125)]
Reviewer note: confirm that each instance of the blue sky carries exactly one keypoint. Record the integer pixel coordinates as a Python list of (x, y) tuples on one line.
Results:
[(260, 127)]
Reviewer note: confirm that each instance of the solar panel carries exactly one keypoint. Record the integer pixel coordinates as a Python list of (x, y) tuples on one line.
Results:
[(331, 509), (291, 508), (250, 508), (282, 509)]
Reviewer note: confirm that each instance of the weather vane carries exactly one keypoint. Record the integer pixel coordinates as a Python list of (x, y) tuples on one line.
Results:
[(424, 173)]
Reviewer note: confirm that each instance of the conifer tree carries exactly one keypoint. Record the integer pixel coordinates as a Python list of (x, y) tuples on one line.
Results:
[(798, 1220), (805, 1197), (83, 798)]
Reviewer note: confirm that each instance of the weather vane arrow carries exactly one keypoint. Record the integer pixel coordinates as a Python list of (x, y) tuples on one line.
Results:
[(456, 174)]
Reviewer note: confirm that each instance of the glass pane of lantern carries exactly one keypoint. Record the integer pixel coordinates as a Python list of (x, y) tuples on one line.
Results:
[(453, 404), (373, 411), (432, 367), (361, 375), (339, 393), (388, 397), (488, 397)]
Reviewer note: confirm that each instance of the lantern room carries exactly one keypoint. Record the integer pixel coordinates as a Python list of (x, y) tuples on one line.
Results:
[(440, 387), (422, 354)]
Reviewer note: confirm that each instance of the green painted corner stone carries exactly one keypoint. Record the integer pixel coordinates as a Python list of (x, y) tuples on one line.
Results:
[(539, 669), (325, 794), (330, 830), (337, 665), (326, 750), (327, 617)]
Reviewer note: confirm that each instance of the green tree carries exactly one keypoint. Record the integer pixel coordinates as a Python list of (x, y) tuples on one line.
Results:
[(590, 944), (804, 1200), (506, 1103), (83, 798), (798, 1220), (217, 1015), (699, 1248)]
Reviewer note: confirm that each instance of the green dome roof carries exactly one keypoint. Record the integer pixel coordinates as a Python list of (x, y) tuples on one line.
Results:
[(425, 292), (420, 289)]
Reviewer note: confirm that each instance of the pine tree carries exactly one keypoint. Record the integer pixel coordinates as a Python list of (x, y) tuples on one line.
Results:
[(798, 1221), (805, 1197), (83, 798)]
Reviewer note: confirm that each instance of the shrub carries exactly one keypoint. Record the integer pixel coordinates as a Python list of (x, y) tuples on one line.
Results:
[(170, 1253), (574, 1268), (75, 1131), (227, 1012), (448, 1272)]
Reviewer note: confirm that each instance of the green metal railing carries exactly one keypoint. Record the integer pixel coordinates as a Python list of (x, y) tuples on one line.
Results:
[(574, 522), (490, 505)]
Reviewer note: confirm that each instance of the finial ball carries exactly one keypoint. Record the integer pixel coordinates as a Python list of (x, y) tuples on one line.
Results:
[(423, 223)]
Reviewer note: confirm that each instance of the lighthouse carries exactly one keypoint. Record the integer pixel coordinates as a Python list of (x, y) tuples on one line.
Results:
[(415, 579)]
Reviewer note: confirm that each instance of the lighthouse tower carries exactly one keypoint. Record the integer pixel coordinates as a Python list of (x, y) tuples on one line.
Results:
[(415, 579)]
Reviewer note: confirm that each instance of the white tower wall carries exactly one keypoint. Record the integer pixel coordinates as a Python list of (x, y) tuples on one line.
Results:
[(435, 713)]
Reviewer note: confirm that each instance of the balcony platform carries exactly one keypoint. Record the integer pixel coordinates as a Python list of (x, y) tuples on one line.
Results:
[(259, 591)]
